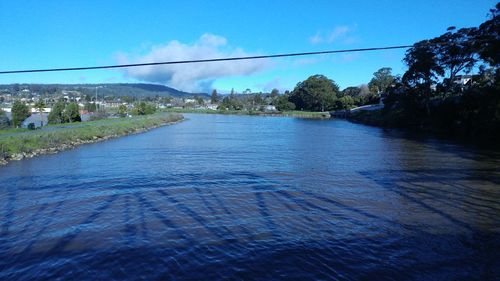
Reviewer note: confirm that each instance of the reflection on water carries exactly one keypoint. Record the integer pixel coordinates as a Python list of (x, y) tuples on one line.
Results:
[(228, 197)]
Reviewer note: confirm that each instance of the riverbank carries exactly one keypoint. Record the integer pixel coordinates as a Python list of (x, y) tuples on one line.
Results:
[(19, 144), (394, 119), (372, 118), (294, 113)]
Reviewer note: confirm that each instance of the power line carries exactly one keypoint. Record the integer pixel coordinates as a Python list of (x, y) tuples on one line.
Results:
[(204, 60), (226, 59)]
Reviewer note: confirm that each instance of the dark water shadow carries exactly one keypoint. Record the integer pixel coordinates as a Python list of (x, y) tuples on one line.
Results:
[(171, 225), (430, 176), (65, 240), (221, 233)]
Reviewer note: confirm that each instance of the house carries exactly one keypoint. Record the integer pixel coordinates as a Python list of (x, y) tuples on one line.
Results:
[(270, 108), (462, 79), (211, 106), (113, 104), (44, 110), (35, 119)]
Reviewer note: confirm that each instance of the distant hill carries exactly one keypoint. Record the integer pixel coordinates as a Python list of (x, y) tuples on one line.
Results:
[(139, 90)]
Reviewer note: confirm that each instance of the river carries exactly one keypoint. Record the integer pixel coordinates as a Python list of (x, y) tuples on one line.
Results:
[(254, 198)]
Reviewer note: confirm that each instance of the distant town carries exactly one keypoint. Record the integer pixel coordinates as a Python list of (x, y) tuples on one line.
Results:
[(96, 101)]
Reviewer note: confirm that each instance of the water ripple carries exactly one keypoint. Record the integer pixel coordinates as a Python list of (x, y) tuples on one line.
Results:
[(185, 202)]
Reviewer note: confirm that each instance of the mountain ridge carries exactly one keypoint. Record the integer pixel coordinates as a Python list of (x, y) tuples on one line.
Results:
[(138, 90)]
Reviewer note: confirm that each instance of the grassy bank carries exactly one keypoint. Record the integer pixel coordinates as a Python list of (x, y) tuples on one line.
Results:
[(295, 113), (395, 119), (16, 144), (391, 119), (306, 114), (373, 117)]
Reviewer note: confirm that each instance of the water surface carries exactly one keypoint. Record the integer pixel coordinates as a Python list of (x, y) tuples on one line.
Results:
[(242, 197)]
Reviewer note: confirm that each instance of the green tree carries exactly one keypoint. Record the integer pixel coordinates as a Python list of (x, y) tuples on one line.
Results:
[(213, 97), (316, 93), (257, 99), (72, 113), (231, 102), (166, 100), (274, 93), (351, 91), (423, 70), (139, 108), (282, 103), (4, 120), (143, 108), (90, 107), (56, 115), (423, 64), (471, 111), (150, 108), (122, 110), (344, 103), (455, 52), (381, 80), (487, 38), (20, 111), (199, 100), (40, 106)]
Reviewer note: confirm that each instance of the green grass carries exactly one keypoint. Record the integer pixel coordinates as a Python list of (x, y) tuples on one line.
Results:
[(311, 114), (14, 141), (12, 131)]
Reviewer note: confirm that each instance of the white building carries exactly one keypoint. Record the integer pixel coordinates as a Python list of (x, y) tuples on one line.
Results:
[(462, 79), (211, 106), (270, 108), (45, 110)]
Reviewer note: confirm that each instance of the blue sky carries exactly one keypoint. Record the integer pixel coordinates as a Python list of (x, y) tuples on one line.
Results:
[(45, 34)]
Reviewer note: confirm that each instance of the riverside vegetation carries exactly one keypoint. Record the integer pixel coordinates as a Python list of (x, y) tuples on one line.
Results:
[(16, 144), (433, 96)]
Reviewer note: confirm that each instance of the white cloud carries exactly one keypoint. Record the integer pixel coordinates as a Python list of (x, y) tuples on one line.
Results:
[(212, 40), (316, 39), (191, 77), (339, 33)]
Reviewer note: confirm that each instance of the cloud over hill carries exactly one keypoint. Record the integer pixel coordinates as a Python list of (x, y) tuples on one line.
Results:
[(191, 77)]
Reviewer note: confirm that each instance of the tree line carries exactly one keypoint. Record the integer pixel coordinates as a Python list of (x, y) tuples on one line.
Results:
[(68, 112), (316, 93), (434, 93)]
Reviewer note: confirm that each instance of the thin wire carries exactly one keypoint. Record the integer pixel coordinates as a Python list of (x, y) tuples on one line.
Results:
[(204, 60), (226, 59)]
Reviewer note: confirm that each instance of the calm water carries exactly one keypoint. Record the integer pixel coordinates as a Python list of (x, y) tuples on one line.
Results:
[(240, 197)]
